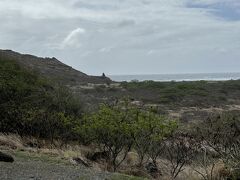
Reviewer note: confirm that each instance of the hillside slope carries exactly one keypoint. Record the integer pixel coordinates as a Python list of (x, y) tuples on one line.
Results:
[(53, 69)]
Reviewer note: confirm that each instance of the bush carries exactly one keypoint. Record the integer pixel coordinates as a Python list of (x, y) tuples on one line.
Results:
[(222, 133), (116, 129), (33, 106), (110, 127), (149, 130)]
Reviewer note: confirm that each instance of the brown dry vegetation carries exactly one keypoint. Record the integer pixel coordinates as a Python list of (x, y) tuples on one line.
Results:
[(197, 171)]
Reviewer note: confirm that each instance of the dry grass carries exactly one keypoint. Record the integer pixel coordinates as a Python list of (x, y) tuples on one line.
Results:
[(30, 144), (11, 141), (189, 173), (132, 159), (71, 151), (136, 172), (220, 171), (214, 171)]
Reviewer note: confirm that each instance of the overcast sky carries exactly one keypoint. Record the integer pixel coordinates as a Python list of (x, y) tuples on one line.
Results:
[(126, 36)]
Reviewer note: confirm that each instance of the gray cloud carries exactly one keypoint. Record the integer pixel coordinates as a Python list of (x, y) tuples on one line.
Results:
[(126, 36)]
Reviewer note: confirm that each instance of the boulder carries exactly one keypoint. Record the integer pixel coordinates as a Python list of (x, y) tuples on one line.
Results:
[(104, 155), (6, 158), (153, 170), (78, 160)]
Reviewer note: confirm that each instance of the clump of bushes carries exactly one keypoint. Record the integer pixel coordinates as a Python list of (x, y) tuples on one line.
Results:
[(196, 93), (33, 106), (221, 134), (119, 128)]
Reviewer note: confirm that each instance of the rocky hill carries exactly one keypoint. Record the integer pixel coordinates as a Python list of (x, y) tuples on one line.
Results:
[(54, 69)]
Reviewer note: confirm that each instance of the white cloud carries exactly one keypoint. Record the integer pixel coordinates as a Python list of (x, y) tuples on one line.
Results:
[(105, 49), (72, 39), (150, 52)]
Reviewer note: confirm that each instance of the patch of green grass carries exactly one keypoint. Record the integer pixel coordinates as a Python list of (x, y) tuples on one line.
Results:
[(23, 155), (85, 178)]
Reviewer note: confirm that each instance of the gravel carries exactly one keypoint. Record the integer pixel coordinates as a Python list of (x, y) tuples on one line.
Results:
[(38, 170)]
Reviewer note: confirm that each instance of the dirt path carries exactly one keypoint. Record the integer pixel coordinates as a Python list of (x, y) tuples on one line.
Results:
[(32, 166), (26, 170)]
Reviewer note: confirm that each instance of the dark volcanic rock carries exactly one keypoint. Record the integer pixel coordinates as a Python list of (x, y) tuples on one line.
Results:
[(153, 170), (6, 158), (104, 155)]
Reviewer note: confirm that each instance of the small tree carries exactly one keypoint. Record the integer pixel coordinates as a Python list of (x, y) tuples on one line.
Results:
[(208, 165), (149, 131), (111, 129), (222, 133), (181, 150)]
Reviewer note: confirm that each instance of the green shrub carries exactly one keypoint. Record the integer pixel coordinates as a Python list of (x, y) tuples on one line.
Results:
[(117, 129), (149, 130), (110, 127), (33, 106)]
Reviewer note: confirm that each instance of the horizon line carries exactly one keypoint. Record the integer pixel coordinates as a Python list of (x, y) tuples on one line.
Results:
[(172, 74)]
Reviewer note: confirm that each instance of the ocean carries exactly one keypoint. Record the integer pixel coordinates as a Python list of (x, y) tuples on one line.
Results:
[(178, 77)]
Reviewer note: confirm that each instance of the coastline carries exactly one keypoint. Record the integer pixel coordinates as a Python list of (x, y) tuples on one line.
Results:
[(177, 77)]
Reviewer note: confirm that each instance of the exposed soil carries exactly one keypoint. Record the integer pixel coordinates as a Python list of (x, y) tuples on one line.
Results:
[(26, 168)]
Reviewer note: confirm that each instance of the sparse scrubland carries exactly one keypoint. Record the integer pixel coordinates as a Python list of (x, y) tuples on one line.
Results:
[(40, 119)]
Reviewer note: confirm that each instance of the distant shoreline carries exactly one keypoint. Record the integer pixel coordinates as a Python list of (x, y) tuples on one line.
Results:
[(177, 77)]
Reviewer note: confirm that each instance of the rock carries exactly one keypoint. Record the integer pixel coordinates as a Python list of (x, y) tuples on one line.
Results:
[(32, 145), (153, 170), (104, 155), (151, 167), (137, 103), (78, 160), (6, 158)]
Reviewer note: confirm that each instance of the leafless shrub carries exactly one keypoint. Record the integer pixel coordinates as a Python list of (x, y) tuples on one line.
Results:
[(222, 134), (180, 151)]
